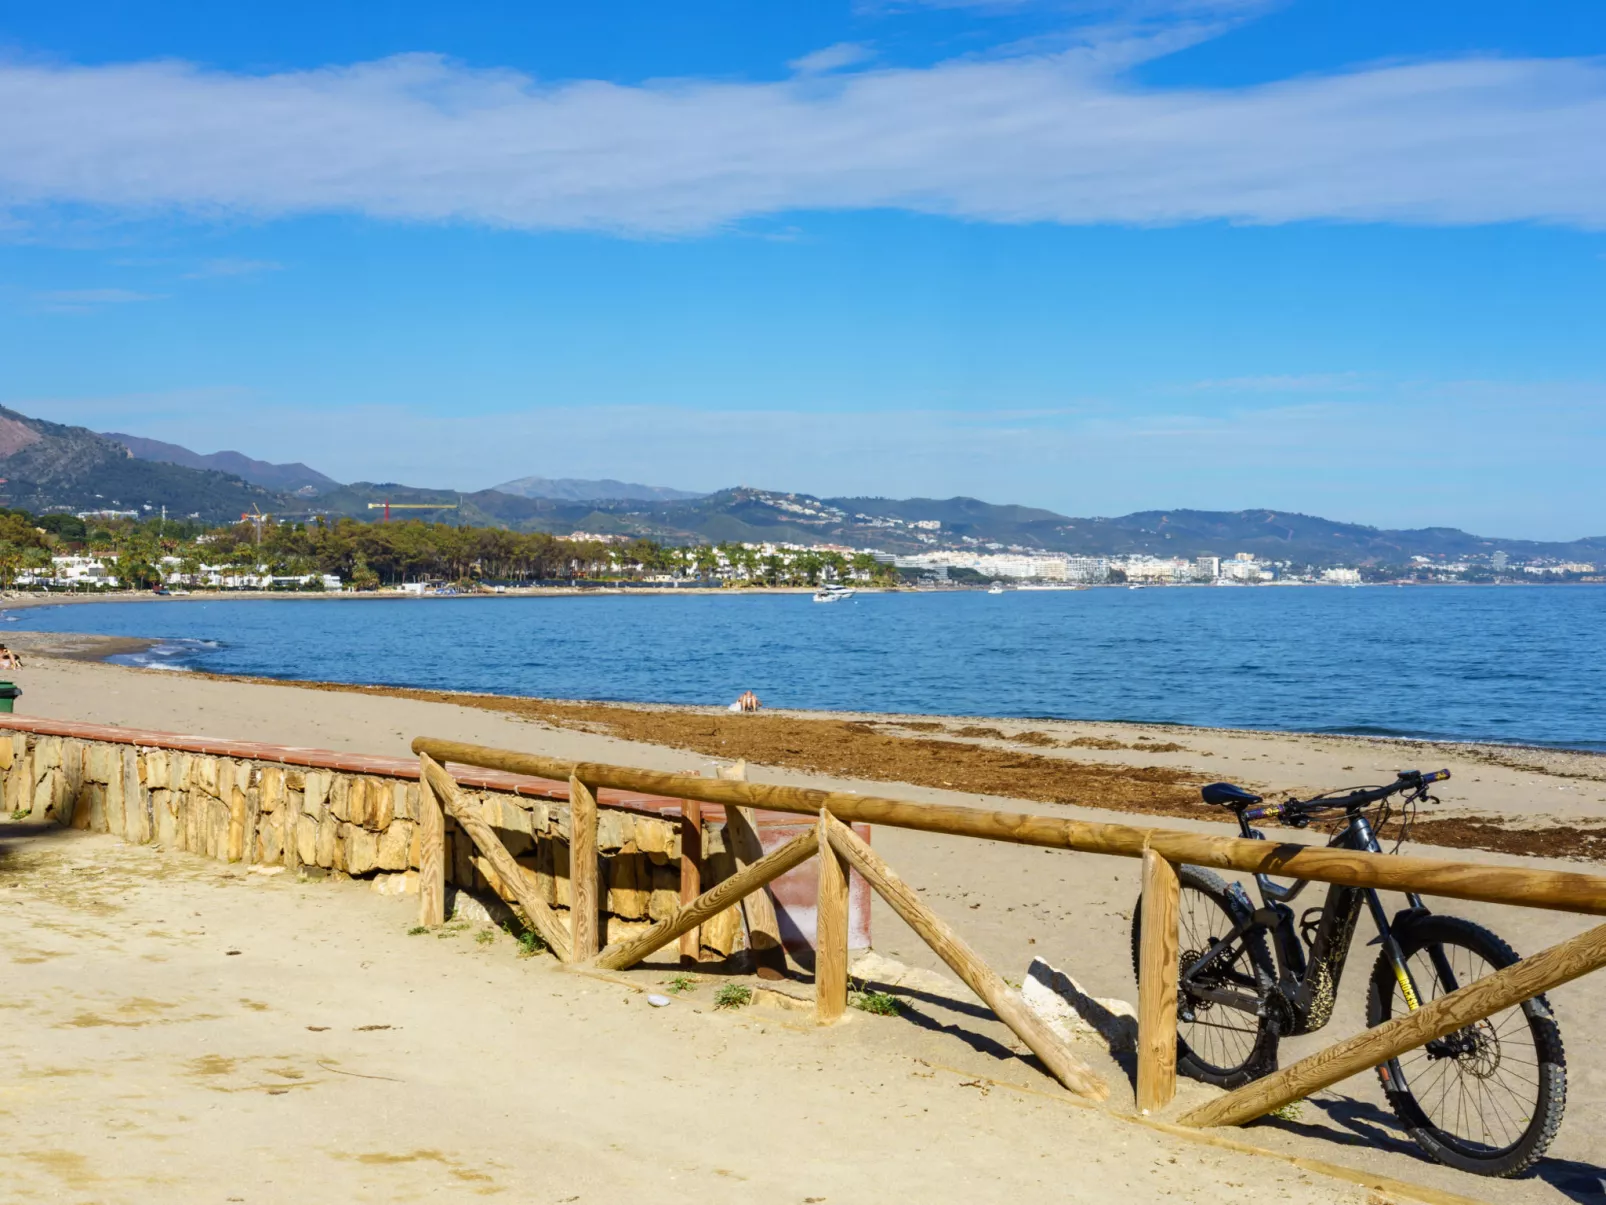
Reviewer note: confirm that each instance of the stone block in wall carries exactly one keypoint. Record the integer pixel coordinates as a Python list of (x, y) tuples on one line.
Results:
[(46, 756), (307, 835), (616, 830), (337, 859), (381, 804), (153, 770), (328, 840), (406, 801), (218, 826), (617, 929), (139, 820), (315, 793), (271, 789), (8, 753), (340, 798), (665, 889), (88, 811), (46, 792), (101, 763), (629, 885), (270, 840), (394, 845), (116, 819), (657, 838), (362, 850), (164, 820), (245, 776), (415, 848), (357, 801), (722, 934), (203, 775), (19, 787), (236, 835)]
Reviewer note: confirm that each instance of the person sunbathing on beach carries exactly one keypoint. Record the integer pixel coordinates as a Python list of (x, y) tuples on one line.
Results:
[(747, 702), (8, 659)]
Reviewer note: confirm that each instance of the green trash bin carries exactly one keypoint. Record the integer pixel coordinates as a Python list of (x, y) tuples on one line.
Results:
[(8, 695)]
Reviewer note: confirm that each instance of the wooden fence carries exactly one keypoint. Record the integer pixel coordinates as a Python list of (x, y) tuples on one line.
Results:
[(1161, 851)]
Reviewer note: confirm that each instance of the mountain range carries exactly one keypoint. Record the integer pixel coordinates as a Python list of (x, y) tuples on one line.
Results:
[(51, 467)]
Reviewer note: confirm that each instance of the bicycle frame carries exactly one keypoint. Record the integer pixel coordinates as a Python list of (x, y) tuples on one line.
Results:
[(1307, 980)]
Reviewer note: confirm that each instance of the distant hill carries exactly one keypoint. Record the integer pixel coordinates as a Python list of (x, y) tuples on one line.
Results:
[(48, 466), (288, 478), (575, 489)]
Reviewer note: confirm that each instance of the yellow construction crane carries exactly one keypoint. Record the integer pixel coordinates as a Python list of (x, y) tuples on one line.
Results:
[(389, 506)]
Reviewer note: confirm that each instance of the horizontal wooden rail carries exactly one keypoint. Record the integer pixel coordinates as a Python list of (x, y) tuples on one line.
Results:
[(541, 917), (978, 976), (711, 903), (1520, 981), (1564, 891)]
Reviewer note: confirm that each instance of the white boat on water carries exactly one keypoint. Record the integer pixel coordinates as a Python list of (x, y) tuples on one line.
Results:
[(833, 593), (996, 588)]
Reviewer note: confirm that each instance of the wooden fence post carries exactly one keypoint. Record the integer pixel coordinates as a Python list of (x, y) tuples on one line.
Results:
[(1158, 971), (431, 854), (830, 932), (763, 928), (691, 873), (585, 906)]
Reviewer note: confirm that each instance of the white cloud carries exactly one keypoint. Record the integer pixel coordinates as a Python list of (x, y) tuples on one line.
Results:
[(831, 58), (1033, 137)]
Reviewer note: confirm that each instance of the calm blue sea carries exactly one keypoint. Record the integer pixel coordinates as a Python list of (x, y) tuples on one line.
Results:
[(1517, 664)]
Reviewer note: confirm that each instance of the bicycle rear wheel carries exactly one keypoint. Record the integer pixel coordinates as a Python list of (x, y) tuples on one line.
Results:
[(1216, 1043), (1486, 1099)]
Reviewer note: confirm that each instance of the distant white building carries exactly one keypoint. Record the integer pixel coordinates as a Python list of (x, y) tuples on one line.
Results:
[(1341, 576)]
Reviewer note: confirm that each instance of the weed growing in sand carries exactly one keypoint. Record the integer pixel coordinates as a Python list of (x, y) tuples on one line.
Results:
[(1292, 1111), (417, 930), (530, 944), (21, 814), (681, 983), (733, 995), (882, 1004), (485, 936), (453, 929)]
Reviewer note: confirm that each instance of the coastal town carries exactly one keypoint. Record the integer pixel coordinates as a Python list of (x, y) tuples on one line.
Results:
[(95, 552)]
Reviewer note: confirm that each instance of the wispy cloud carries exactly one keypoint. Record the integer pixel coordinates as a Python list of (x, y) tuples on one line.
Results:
[(1309, 382), (831, 58), (1041, 137), (232, 267), (80, 301)]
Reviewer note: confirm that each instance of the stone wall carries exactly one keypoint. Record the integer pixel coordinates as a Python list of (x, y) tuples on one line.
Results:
[(263, 805)]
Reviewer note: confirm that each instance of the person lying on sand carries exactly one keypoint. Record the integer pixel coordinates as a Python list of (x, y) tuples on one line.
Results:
[(8, 659), (747, 702)]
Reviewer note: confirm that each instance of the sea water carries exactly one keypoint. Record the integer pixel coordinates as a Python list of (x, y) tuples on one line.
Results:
[(1512, 664)]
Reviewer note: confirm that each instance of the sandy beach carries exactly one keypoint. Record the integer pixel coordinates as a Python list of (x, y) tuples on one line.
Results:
[(909, 1107)]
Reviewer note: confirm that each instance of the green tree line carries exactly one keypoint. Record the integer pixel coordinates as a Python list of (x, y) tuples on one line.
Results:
[(371, 555)]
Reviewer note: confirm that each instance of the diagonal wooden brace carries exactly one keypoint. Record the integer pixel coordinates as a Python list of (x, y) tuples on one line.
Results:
[(711, 903), (541, 917), (978, 976)]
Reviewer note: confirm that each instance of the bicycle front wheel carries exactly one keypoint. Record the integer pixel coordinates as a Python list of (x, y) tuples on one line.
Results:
[(1486, 1099)]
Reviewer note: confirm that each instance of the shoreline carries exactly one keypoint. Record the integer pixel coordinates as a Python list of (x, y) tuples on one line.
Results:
[(93, 647), (1510, 800)]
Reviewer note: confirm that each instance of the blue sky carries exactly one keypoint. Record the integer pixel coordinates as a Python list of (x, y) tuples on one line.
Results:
[(1345, 258)]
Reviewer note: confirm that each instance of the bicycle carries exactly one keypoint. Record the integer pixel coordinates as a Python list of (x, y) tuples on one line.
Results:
[(1486, 1099)]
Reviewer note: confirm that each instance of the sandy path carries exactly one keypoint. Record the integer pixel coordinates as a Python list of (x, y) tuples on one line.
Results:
[(1012, 903), (181, 1031)]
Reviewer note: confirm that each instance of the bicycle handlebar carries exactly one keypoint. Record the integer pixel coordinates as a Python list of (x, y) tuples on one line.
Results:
[(1408, 780)]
